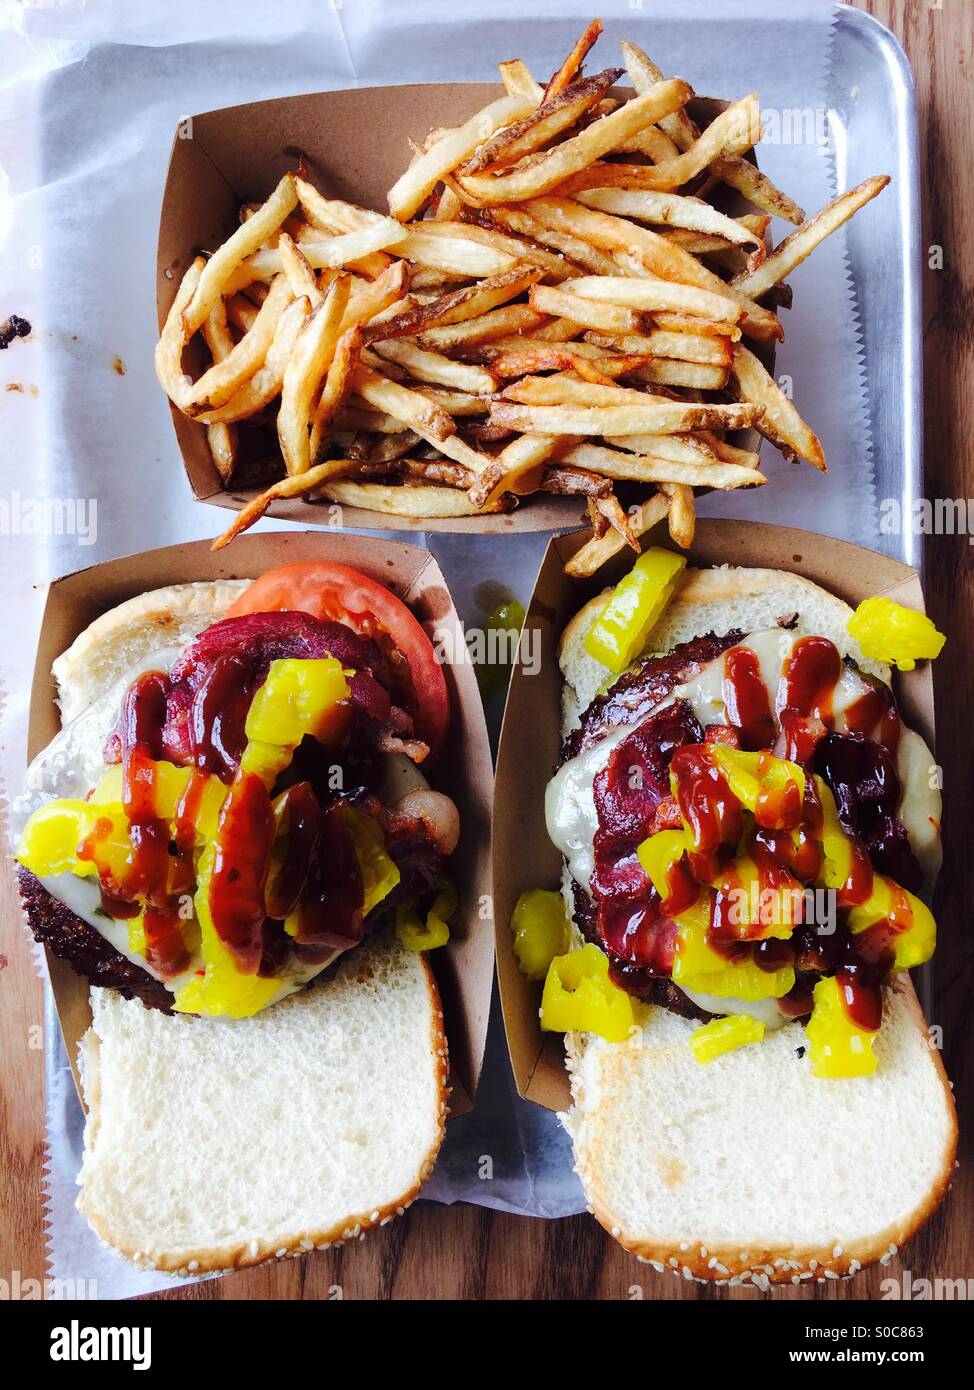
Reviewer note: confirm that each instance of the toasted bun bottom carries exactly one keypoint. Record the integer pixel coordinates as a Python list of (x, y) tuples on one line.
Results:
[(213, 1145), (750, 1168)]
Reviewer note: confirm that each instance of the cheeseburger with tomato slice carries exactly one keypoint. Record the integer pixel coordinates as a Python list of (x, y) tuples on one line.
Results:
[(749, 830), (233, 838)]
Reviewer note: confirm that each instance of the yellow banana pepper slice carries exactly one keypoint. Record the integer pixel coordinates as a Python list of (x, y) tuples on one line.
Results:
[(634, 608), (886, 631), (578, 995), (540, 926), (722, 1035), (836, 1046)]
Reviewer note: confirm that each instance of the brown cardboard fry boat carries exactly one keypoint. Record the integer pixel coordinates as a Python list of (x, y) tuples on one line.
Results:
[(464, 968), (523, 856), (354, 144)]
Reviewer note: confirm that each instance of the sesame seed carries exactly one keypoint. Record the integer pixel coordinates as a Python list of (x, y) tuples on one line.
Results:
[(837, 1252)]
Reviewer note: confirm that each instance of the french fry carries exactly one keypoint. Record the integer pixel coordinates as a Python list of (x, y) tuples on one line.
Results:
[(746, 178), (643, 296), (588, 312), (677, 448), (300, 275), (518, 219), (683, 517), (645, 468), (674, 322), (519, 457), (729, 453), (433, 366), (456, 254), (518, 81), (221, 381), (266, 382), (684, 347), (413, 187), (459, 403), (579, 151), (169, 349), (572, 64), (558, 113), (780, 422), (456, 306), (512, 318), (660, 258), (698, 376), (312, 355), (338, 384), (523, 253), (222, 439), (802, 242), (295, 486), (655, 417), (670, 210), (644, 73), (406, 501), (243, 243), (414, 410), (596, 552), (518, 362)]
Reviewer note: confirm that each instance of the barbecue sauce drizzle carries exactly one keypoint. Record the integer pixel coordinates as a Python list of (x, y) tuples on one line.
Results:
[(787, 849), (320, 880)]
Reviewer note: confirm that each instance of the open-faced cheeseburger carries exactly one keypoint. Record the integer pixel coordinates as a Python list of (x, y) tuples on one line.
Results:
[(748, 826), (232, 812), (235, 829)]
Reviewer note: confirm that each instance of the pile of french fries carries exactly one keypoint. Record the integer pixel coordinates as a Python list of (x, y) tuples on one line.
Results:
[(555, 303)]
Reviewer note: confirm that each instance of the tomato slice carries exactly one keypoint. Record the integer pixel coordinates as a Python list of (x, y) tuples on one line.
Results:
[(341, 594)]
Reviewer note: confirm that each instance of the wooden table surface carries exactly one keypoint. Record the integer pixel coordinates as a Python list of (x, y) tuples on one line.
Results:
[(467, 1252)]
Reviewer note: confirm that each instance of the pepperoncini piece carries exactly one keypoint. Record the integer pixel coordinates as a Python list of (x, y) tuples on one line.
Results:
[(379, 873), (697, 966), (222, 989), (915, 931), (418, 935), (58, 830), (171, 784), (761, 784), (578, 995), (836, 1046), (296, 699), (660, 854), (634, 608), (759, 909), (886, 631), (722, 1035), (540, 926)]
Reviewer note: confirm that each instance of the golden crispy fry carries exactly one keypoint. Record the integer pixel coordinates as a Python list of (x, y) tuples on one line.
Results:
[(414, 410), (594, 554), (698, 376), (461, 403), (610, 509), (670, 210), (645, 296), (243, 243), (736, 129), (456, 253), (572, 64), (312, 355), (300, 275), (677, 448), (406, 501), (729, 453), (579, 357), (267, 381), (655, 417), (518, 81), (511, 318), (646, 468), (587, 312), (660, 258), (684, 347), (433, 366), (557, 114), (519, 219), (373, 298), (222, 381), (795, 248), (652, 142), (746, 178), (337, 386), (683, 517), (241, 312), (457, 306), (519, 457), (644, 73), (295, 486), (222, 439), (169, 349), (414, 186), (579, 151), (689, 323), (479, 226), (781, 422)]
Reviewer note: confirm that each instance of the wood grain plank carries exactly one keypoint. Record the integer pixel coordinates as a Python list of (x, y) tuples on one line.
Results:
[(465, 1252)]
